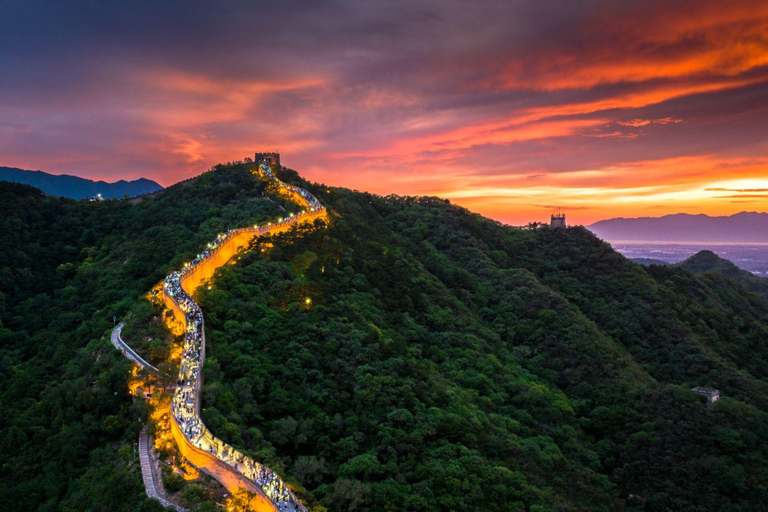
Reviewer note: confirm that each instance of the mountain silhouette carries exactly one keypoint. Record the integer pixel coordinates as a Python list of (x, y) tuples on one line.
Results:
[(749, 227), (76, 187)]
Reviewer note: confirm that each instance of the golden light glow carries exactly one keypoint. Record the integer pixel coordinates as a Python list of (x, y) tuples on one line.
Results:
[(700, 184)]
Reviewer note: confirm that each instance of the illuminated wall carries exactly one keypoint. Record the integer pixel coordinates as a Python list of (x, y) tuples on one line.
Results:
[(203, 271), (228, 477), (177, 323)]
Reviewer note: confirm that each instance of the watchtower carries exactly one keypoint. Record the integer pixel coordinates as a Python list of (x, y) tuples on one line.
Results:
[(713, 395), (272, 158), (557, 221)]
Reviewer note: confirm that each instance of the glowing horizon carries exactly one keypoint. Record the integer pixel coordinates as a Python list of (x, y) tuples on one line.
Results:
[(509, 108)]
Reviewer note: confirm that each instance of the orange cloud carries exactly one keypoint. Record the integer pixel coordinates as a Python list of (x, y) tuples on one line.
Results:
[(659, 42), (493, 133), (637, 123), (693, 184), (188, 108)]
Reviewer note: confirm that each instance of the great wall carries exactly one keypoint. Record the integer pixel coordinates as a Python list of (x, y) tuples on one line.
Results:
[(195, 441)]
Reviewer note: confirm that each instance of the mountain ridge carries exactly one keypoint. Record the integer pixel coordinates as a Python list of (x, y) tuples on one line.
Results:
[(742, 227), (75, 187)]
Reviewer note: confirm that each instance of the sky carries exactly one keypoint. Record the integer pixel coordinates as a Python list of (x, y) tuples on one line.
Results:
[(510, 108)]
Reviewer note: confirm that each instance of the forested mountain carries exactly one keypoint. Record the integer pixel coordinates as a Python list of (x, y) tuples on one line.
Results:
[(682, 227), (76, 187), (67, 422), (443, 361), (648, 261), (707, 261)]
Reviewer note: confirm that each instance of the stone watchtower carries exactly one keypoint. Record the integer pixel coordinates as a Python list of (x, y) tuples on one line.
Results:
[(557, 221), (272, 158), (713, 395)]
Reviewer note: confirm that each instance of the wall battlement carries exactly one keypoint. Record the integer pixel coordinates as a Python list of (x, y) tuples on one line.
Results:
[(557, 221)]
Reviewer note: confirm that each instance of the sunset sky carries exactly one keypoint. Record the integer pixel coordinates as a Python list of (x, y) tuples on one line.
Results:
[(510, 108)]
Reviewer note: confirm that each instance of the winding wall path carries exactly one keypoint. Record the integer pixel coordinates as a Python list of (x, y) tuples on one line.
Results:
[(127, 351), (232, 468)]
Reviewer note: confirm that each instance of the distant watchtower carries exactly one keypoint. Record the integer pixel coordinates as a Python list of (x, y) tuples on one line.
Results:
[(272, 158), (713, 395), (558, 221)]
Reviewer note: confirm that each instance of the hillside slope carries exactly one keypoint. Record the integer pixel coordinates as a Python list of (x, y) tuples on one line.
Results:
[(440, 345), (413, 356), (707, 261), (75, 187), (67, 421)]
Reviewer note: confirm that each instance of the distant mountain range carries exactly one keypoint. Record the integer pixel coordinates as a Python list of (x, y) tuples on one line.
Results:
[(75, 187), (749, 227)]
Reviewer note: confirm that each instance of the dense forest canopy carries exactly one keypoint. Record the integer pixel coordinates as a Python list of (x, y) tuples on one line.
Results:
[(412, 356), (709, 262)]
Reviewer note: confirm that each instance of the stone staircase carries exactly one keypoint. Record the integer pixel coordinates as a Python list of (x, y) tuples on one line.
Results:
[(149, 474)]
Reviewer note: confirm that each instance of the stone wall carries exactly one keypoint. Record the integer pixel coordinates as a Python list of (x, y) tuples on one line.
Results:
[(229, 478)]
